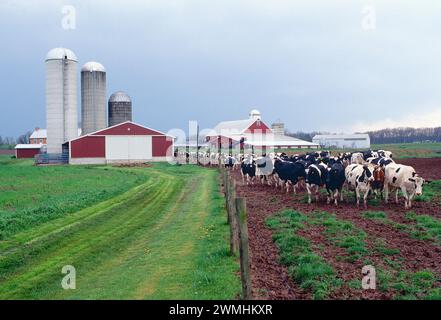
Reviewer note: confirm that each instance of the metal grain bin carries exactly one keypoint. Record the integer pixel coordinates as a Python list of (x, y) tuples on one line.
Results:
[(120, 108)]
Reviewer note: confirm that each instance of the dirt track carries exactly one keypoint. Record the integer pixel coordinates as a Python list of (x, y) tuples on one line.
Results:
[(270, 280)]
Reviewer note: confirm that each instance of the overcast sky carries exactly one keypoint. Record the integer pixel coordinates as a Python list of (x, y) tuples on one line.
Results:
[(315, 65)]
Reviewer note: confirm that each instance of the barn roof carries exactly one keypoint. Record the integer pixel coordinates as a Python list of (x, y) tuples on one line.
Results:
[(42, 134), (39, 134), (274, 140), (28, 146), (340, 136), (269, 140), (103, 131), (236, 126)]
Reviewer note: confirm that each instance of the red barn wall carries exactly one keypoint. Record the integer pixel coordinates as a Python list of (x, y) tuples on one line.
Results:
[(27, 153), (255, 127), (224, 140), (162, 146), (88, 147)]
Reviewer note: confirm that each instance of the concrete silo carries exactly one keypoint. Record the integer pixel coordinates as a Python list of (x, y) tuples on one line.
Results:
[(61, 98), (93, 97), (120, 108), (278, 128)]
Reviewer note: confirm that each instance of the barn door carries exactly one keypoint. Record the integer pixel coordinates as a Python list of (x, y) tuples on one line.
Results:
[(126, 148)]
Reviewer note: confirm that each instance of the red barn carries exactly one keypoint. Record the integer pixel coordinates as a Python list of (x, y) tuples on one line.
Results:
[(27, 150), (252, 133), (124, 142)]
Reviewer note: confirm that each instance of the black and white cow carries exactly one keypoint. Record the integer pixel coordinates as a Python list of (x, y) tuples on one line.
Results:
[(335, 179), (248, 170), (315, 178), (357, 158), (229, 162), (289, 173), (404, 178), (385, 154), (381, 161), (264, 168), (359, 178)]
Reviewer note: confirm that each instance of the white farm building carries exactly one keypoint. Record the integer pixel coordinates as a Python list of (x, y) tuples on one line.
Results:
[(343, 141), (252, 133)]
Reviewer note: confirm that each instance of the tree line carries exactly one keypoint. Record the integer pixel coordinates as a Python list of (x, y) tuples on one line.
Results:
[(387, 136), (10, 142)]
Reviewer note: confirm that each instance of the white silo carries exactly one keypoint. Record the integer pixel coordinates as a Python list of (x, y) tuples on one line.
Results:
[(93, 97), (61, 98)]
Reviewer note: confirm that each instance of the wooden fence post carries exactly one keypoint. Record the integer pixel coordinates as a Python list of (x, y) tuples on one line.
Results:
[(227, 195), (241, 218), (231, 208)]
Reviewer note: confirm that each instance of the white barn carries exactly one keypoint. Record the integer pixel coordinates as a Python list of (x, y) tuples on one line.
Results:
[(343, 141)]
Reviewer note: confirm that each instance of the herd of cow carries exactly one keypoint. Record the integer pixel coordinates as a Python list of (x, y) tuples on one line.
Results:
[(363, 172)]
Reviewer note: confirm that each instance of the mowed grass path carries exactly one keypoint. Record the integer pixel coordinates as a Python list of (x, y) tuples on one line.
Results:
[(163, 239)]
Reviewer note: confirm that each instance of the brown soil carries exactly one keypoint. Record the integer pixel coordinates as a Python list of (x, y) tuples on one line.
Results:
[(428, 168), (270, 279)]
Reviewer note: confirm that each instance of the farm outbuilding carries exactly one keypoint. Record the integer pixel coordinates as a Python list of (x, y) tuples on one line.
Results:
[(127, 142), (253, 133), (38, 136), (343, 141), (27, 150)]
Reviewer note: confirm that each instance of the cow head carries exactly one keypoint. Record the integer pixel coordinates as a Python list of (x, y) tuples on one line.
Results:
[(379, 175), (418, 184)]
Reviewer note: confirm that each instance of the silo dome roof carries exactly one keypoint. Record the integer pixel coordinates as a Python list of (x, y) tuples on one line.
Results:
[(93, 66), (254, 112), (120, 96), (61, 53)]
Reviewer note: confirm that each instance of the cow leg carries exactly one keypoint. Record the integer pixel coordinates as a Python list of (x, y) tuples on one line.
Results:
[(365, 198), (396, 196), (357, 195), (410, 199), (406, 198), (317, 194), (287, 186), (294, 188), (308, 189), (336, 197), (341, 195), (328, 196), (386, 193)]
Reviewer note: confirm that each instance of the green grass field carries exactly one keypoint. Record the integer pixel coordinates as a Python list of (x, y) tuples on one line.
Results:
[(130, 233)]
